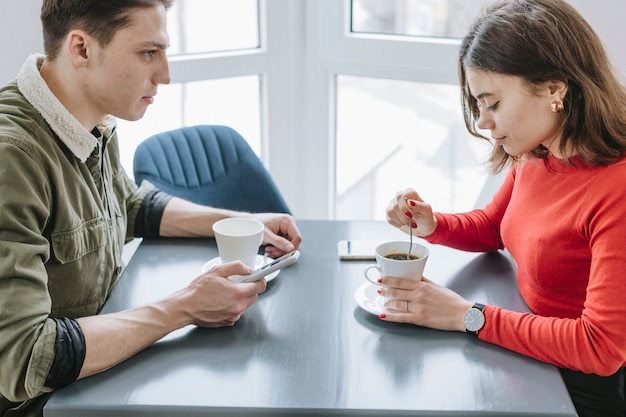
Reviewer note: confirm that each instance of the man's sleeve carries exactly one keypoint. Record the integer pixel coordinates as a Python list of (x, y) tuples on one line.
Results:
[(148, 220), (69, 355)]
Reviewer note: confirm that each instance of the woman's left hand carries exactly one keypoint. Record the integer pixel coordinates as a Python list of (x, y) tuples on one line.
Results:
[(423, 303)]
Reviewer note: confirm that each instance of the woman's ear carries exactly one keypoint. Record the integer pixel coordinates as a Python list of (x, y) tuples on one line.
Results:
[(557, 88)]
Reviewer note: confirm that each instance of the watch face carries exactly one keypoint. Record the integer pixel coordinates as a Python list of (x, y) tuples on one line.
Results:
[(474, 320)]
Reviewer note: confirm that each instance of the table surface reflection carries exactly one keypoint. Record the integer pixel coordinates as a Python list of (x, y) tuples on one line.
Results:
[(307, 348)]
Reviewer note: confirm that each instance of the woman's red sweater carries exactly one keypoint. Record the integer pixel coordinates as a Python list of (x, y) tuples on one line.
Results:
[(565, 227)]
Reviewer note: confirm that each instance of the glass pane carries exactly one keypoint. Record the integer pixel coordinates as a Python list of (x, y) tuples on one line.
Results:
[(431, 18), (197, 26), (393, 135), (233, 102)]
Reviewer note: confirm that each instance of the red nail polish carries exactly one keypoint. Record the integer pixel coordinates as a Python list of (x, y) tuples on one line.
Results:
[(414, 225), (412, 203), (379, 291), (382, 316), (379, 280), (408, 214)]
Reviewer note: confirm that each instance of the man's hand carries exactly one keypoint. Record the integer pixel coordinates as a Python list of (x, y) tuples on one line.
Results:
[(281, 233), (211, 300)]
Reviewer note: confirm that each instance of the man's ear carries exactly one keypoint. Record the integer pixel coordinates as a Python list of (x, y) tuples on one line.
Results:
[(78, 45)]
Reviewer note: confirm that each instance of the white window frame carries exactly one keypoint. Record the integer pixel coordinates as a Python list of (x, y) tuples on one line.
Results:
[(277, 62), (331, 49), (305, 44)]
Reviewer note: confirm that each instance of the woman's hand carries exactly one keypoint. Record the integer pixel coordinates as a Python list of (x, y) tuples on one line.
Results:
[(409, 205), (281, 233), (423, 303)]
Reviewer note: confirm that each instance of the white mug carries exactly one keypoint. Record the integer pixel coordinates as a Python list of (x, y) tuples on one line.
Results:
[(238, 239), (403, 268)]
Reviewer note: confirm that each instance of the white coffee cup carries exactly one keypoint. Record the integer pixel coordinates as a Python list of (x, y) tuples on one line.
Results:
[(403, 268), (238, 239)]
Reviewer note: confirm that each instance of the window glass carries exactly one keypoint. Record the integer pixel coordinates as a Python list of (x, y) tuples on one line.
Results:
[(393, 135), (233, 102), (431, 18), (197, 26)]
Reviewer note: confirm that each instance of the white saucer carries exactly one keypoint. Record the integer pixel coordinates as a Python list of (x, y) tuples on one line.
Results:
[(260, 261), (368, 299)]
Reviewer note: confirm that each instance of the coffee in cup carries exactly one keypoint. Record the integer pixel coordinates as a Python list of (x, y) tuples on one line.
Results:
[(391, 260), (401, 256)]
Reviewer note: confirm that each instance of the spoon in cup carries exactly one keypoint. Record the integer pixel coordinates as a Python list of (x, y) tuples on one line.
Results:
[(408, 254)]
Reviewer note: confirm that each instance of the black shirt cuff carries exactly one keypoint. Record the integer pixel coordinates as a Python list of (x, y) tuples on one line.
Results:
[(69, 354), (148, 222)]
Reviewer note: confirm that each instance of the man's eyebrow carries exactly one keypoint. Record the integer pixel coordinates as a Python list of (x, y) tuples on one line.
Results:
[(155, 45)]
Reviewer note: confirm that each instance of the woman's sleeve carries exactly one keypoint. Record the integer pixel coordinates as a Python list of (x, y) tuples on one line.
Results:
[(595, 341)]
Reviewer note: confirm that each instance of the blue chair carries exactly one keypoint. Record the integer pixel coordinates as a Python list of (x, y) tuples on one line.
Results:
[(210, 165)]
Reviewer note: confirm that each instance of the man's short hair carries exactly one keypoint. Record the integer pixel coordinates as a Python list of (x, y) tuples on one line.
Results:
[(100, 19)]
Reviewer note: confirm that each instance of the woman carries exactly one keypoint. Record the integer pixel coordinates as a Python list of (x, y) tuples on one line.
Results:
[(534, 74)]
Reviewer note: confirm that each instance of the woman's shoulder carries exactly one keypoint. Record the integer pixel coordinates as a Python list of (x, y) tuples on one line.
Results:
[(617, 168), (609, 180)]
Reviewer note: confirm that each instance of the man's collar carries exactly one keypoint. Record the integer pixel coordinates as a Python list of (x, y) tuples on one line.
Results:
[(34, 88)]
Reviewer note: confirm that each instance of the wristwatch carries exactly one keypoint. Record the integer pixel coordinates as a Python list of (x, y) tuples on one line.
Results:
[(474, 319)]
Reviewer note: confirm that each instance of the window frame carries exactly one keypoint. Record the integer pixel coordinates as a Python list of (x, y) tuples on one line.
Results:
[(304, 45), (331, 49)]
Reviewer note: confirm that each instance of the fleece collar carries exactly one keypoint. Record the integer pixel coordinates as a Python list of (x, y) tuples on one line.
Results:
[(78, 139)]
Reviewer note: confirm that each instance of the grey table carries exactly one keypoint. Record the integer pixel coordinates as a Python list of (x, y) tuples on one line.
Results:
[(307, 348)]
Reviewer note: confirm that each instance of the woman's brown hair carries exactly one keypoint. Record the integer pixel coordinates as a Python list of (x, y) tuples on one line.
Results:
[(542, 40)]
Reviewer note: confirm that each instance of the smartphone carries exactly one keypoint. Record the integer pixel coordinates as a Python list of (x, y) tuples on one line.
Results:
[(357, 250), (268, 268)]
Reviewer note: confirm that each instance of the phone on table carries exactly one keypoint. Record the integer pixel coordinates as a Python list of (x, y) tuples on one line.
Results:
[(357, 250), (268, 268)]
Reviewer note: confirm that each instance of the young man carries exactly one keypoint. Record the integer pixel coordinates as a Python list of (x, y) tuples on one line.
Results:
[(67, 206)]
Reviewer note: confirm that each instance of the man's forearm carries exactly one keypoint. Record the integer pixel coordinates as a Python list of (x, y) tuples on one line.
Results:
[(185, 219), (113, 338)]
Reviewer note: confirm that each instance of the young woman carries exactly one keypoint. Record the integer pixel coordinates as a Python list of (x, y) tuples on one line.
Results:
[(534, 74)]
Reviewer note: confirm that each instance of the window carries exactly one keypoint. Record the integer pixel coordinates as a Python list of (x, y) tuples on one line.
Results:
[(398, 117), (198, 26), (427, 18), (201, 32), (394, 134), (345, 102)]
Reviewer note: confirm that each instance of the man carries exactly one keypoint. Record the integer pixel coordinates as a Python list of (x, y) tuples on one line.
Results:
[(67, 207)]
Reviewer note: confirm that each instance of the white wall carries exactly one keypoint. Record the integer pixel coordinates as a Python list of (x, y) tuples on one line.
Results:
[(607, 19), (20, 35)]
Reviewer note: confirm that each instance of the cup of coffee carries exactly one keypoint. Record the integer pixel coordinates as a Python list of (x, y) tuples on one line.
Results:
[(394, 259), (238, 239)]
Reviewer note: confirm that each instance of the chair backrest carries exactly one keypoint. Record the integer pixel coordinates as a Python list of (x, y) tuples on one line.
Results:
[(210, 165)]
